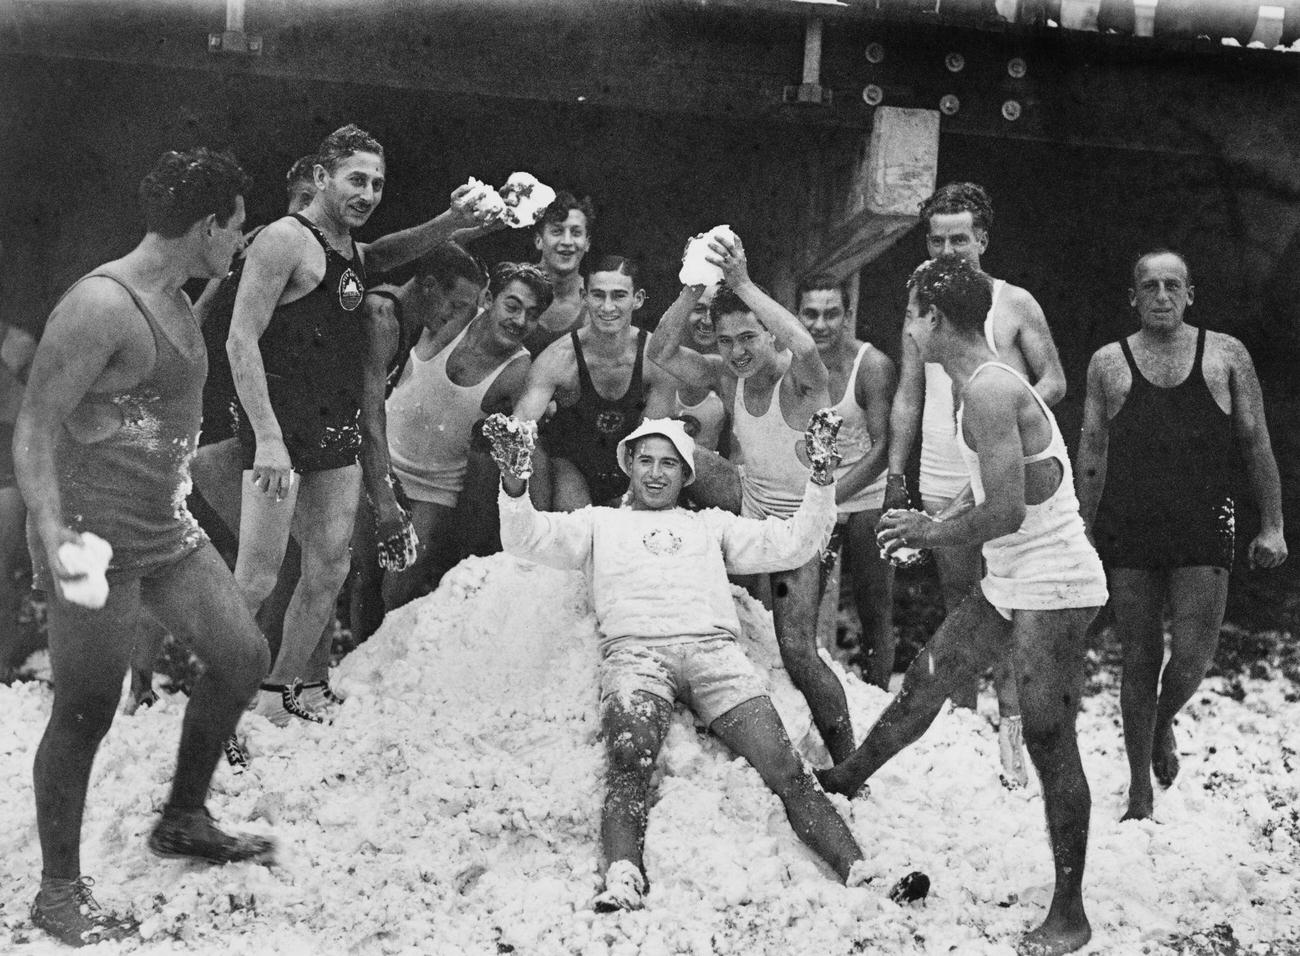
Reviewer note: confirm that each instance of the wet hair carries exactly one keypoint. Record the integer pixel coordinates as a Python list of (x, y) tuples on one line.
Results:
[(342, 143), (182, 188), (504, 273), (1159, 251), (448, 262), (818, 282), (302, 171), (559, 210), (622, 264), (726, 302), (962, 293), (960, 197)]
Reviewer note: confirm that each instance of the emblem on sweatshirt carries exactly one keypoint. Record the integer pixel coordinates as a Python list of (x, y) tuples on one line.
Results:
[(662, 541)]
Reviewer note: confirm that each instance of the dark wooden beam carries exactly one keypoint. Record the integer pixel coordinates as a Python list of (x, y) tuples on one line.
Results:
[(715, 58)]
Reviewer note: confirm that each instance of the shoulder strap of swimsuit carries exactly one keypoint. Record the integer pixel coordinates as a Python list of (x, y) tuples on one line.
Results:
[(584, 376), (1200, 352), (1051, 451), (158, 331), (1128, 357), (315, 231), (998, 286), (639, 366)]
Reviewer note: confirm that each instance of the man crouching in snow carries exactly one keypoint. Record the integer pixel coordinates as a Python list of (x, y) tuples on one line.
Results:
[(668, 625)]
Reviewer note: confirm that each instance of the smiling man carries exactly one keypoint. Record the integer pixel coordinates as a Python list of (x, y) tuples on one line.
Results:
[(562, 237), (861, 380), (105, 438), (453, 378), (297, 349), (599, 378), (770, 375), (1166, 411), (668, 627)]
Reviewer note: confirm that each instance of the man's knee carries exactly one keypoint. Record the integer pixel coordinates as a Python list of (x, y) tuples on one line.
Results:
[(630, 753), (1044, 733), (256, 577), (325, 570), (87, 715)]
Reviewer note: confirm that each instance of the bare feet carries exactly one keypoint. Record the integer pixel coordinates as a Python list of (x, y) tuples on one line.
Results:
[(1055, 937), (1164, 757)]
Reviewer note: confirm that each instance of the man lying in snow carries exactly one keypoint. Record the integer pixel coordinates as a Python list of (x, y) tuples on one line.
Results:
[(669, 626)]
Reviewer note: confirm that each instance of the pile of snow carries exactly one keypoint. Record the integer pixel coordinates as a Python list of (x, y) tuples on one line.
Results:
[(453, 808)]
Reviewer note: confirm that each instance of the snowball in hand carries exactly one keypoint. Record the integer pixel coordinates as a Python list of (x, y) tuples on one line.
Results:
[(90, 558), (696, 270), (525, 198), (491, 203)]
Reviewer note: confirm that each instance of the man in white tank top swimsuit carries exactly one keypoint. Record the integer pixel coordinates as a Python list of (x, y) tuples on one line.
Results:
[(769, 373), (862, 379), (1043, 587), (958, 218), (452, 379)]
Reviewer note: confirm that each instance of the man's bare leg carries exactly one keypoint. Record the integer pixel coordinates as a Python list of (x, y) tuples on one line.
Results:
[(148, 648), (13, 544), (570, 487), (366, 597), (264, 527), (322, 524), (196, 601), (1137, 598), (873, 594), (971, 636), (794, 614), (1197, 599), (959, 571), (218, 476), (1048, 652), (754, 731), (477, 523), (433, 525), (634, 731), (541, 484), (218, 473), (90, 652)]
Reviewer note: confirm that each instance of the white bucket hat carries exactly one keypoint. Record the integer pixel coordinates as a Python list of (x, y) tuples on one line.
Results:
[(668, 428)]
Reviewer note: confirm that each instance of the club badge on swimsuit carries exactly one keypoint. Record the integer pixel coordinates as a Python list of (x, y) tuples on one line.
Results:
[(351, 291), (662, 541), (607, 423)]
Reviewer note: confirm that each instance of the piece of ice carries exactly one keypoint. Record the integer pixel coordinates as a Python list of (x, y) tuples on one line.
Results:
[(88, 557), (696, 269), (526, 198)]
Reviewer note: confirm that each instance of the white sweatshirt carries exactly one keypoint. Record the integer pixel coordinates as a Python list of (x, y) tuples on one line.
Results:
[(661, 576)]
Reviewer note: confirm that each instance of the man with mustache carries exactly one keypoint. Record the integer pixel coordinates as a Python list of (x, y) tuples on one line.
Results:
[(297, 349), (455, 376)]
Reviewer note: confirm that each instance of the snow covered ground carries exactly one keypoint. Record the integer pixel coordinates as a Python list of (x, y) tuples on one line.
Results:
[(453, 809)]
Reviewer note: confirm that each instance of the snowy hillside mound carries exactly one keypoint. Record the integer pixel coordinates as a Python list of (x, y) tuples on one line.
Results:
[(453, 808)]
